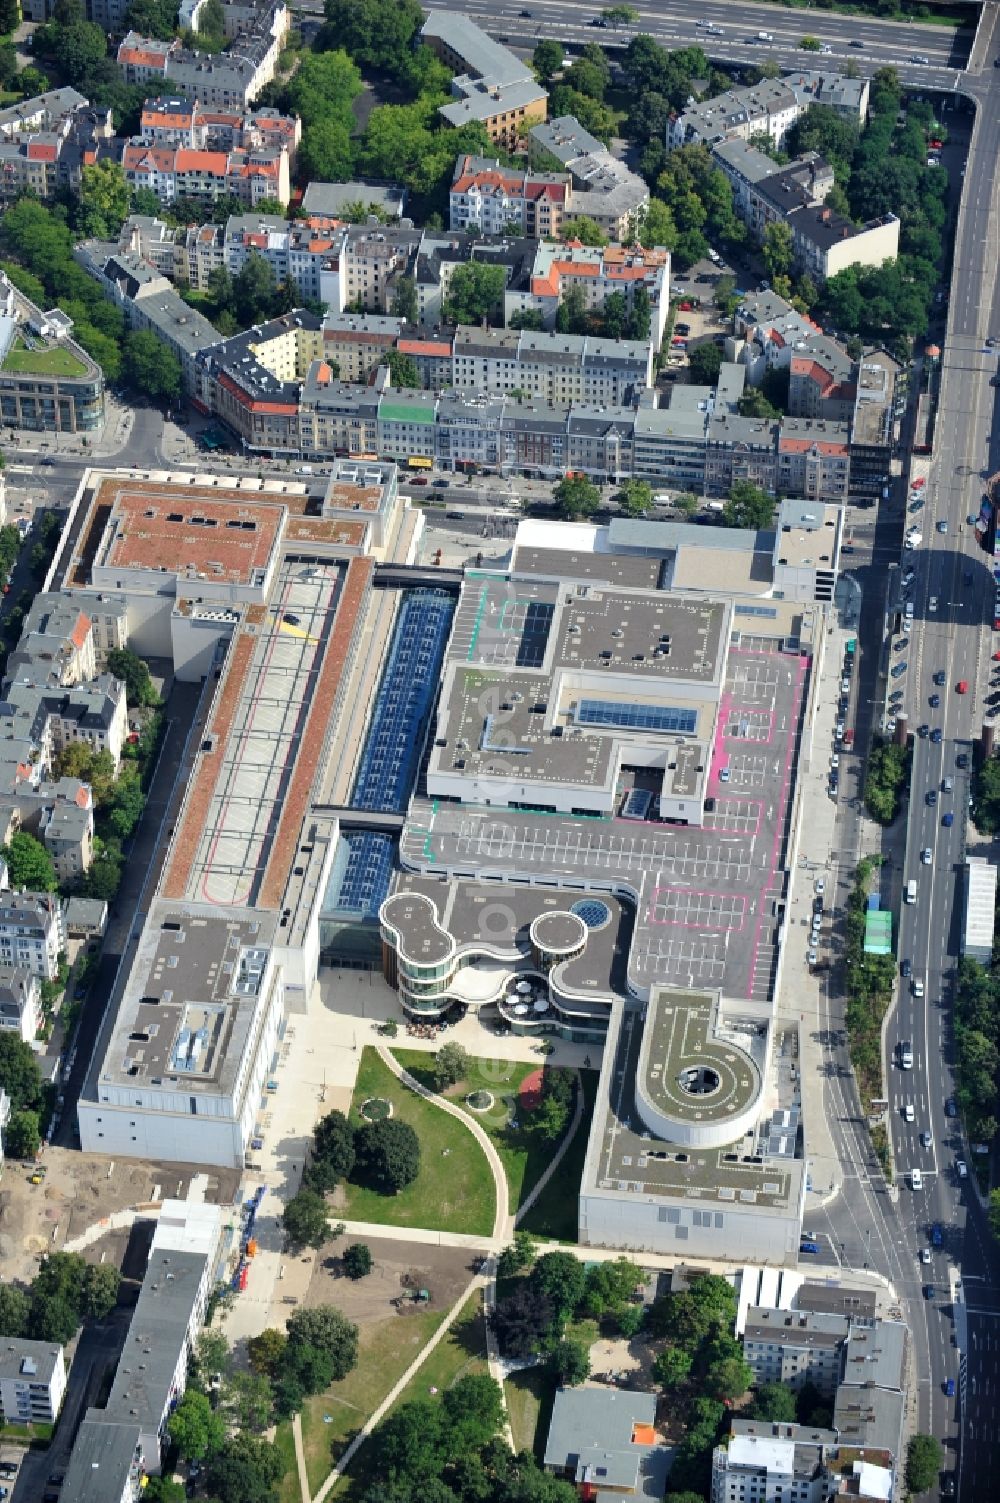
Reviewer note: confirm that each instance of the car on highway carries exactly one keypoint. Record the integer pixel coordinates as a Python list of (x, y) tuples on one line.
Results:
[(948, 820), (936, 735), (940, 677), (916, 1180), (905, 969), (942, 525), (920, 59), (930, 797), (932, 605), (951, 1107), (925, 1140), (947, 785), (918, 987), (854, 42), (962, 687), (949, 1387), (937, 1235), (961, 1169), (928, 1291), (926, 855), (925, 1255), (906, 1054), (934, 701), (909, 1112)]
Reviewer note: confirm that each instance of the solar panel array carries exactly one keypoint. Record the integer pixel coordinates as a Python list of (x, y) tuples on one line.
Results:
[(634, 717), (389, 761), (365, 883)]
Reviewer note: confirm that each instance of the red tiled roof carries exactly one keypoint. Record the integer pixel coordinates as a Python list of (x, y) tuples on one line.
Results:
[(78, 635), (215, 162), (803, 445)]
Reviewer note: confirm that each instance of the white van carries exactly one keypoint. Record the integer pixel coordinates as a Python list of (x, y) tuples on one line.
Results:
[(662, 498), (916, 1180), (716, 505), (911, 890)]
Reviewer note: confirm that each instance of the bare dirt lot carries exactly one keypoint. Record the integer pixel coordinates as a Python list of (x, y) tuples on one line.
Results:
[(78, 1192), (399, 1267)]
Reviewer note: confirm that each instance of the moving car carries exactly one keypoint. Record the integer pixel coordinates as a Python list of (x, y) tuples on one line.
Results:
[(962, 687), (949, 1387), (937, 1235), (940, 677), (916, 1180), (930, 797), (906, 1054), (908, 1112), (961, 1169), (948, 820), (928, 1291), (926, 856), (936, 735), (925, 1140), (925, 1255)]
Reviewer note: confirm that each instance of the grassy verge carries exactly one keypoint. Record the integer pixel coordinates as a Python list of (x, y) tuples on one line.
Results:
[(330, 1420), (554, 1214), (868, 981), (462, 1350), (530, 1395), (454, 1190), (525, 1156), (960, 15)]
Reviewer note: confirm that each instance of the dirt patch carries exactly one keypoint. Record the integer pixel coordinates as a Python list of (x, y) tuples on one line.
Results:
[(399, 1268), (79, 1191)]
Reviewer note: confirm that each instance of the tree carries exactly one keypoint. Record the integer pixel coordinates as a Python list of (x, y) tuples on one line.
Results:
[(99, 1290), (705, 363), (163, 1490), (248, 1400), (210, 1359), (778, 249), (613, 315), (404, 300), (473, 1412), (104, 199), (523, 1320), (570, 1363), (620, 15), (327, 151), (923, 1462), (306, 1219), (357, 1260), (333, 1152), (584, 229), (635, 498), (22, 1136), (475, 293), (810, 44), (253, 290), (526, 318), (243, 1470), (388, 1154), (149, 366), (402, 369), (994, 1213), (410, 1443), (547, 60), (748, 506), (571, 315), (29, 864), (639, 316), (725, 1372), (672, 1367), (658, 227), (326, 1329), (576, 497), (519, 1254), (610, 1286), (14, 1307), (266, 1352), (451, 1064), (775, 1403), (754, 404), (561, 1278), (124, 664), (194, 1427), (686, 503), (377, 34), (52, 1318), (152, 18)]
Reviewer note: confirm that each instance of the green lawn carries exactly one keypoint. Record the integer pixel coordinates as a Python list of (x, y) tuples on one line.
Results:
[(462, 1350), (330, 1420), (56, 361), (524, 1157), (453, 1191), (530, 1395), (554, 1214)]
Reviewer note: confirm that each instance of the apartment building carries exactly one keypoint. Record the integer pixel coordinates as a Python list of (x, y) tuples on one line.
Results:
[(764, 194), (765, 1462), (32, 1381), (492, 85), (32, 933), (495, 200), (597, 274), (793, 1347), (601, 187), (46, 141), (172, 172), (20, 1013), (768, 108), (63, 391), (229, 80), (559, 368), (328, 201), (814, 459), (824, 242), (117, 1446), (172, 120)]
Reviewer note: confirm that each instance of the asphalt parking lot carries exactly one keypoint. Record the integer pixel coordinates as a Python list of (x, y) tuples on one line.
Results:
[(710, 900)]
